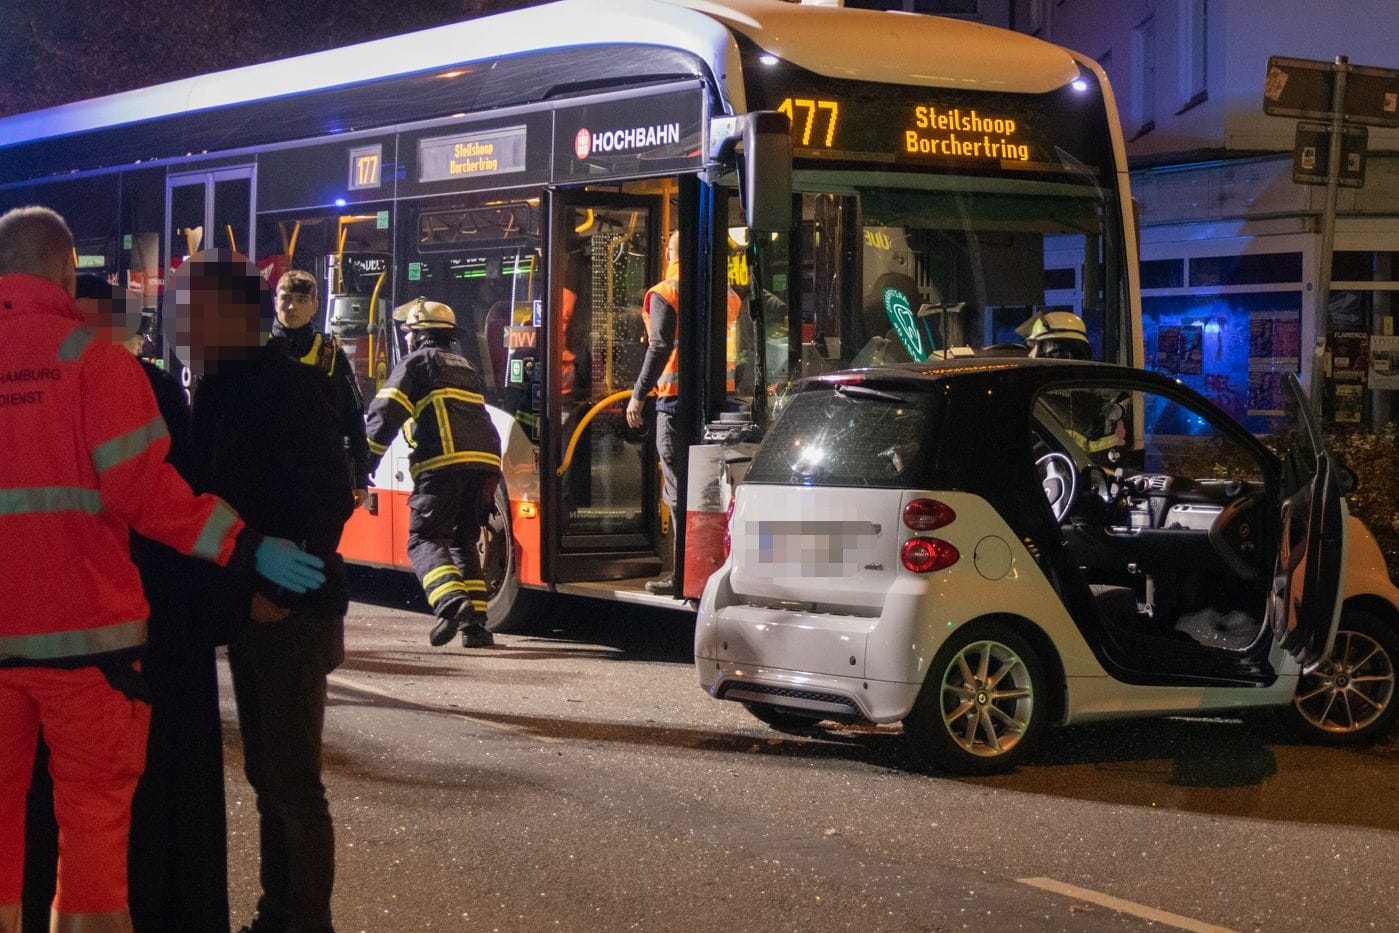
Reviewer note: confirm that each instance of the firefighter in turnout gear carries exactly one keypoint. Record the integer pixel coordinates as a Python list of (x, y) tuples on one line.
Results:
[(435, 395)]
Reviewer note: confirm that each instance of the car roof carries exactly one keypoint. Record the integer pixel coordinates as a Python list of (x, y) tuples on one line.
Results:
[(1026, 371)]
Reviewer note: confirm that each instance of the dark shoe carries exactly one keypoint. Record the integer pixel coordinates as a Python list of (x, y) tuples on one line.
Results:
[(662, 586), (476, 635), (443, 631), (260, 926)]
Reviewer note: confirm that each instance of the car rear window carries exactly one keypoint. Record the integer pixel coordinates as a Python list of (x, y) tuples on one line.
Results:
[(849, 435)]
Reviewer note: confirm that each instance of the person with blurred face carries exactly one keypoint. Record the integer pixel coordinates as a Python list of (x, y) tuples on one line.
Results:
[(87, 466), (178, 851), (268, 437)]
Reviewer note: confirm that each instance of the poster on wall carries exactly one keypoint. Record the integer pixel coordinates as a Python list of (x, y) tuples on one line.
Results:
[(1383, 372), (1179, 350), (1350, 356), (1348, 399), (1266, 394), (1274, 338)]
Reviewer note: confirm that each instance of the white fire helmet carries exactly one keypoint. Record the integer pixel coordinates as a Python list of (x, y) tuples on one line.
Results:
[(421, 314)]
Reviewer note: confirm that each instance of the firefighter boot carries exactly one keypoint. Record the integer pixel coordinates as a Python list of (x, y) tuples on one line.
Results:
[(449, 623), (474, 633)]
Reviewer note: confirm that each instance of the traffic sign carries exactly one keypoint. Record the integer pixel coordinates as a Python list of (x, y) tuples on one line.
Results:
[(1300, 87), (1312, 149)]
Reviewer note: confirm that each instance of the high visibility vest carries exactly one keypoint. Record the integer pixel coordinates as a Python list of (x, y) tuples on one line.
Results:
[(568, 375), (668, 385), (322, 354), (731, 342)]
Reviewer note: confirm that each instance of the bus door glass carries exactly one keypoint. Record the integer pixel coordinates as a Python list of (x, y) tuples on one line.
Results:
[(599, 476), (210, 210)]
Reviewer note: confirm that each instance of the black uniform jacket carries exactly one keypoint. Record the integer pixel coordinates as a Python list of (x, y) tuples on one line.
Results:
[(266, 436), (442, 395), (318, 351), (164, 571)]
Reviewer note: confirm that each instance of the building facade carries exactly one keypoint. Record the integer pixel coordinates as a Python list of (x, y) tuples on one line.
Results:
[(1230, 244)]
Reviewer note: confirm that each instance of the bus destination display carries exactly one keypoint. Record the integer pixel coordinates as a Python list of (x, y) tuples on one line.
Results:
[(859, 122)]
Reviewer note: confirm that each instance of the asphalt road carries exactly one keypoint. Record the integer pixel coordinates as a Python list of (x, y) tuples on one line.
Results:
[(577, 779)]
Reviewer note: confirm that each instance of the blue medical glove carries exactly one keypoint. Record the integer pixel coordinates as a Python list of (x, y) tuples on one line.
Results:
[(288, 566)]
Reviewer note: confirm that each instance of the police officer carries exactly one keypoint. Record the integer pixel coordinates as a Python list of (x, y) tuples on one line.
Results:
[(297, 305), (436, 396)]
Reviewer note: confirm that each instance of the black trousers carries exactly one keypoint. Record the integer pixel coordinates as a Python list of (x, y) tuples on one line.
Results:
[(179, 857), (445, 515), (279, 681)]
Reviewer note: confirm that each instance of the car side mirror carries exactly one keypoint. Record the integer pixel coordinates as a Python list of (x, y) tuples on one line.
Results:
[(1347, 478)]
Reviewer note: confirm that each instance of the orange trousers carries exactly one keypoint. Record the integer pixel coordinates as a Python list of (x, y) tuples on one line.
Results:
[(97, 742)]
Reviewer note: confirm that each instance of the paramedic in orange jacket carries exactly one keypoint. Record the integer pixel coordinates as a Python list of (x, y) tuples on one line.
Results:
[(86, 465)]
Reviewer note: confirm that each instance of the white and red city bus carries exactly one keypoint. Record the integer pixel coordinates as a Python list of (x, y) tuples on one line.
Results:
[(929, 184)]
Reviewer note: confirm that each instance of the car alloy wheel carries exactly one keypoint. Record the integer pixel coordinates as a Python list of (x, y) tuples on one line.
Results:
[(1348, 699), (978, 711)]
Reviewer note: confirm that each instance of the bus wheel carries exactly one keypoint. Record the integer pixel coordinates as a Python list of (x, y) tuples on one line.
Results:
[(980, 710), (509, 606), (1349, 699)]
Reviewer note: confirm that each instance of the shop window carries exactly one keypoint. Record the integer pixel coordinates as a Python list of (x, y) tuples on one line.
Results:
[(1260, 269), (1365, 267), (1163, 273), (1234, 349), (1059, 280)]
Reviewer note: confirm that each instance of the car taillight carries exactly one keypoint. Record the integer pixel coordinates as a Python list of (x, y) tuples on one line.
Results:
[(924, 555), (928, 515), (729, 526)]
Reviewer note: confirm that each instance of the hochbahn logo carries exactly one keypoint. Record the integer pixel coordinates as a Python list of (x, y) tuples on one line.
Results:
[(641, 137)]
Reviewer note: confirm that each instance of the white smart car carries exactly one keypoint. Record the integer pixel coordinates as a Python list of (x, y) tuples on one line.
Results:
[(984, 548)]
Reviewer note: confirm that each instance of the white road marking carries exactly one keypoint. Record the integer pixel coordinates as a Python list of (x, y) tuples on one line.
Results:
[(1122, 906)]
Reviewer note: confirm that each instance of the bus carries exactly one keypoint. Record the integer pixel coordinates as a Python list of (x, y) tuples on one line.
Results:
[(849, 186)]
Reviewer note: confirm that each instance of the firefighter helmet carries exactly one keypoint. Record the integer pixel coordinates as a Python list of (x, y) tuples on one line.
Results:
[(1056, 333), (421, 314)]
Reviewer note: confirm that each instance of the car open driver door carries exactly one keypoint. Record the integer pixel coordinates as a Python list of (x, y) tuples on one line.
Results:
[(1304, 604)]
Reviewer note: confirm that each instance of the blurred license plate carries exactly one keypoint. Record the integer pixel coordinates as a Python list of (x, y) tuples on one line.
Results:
[(810, 548)]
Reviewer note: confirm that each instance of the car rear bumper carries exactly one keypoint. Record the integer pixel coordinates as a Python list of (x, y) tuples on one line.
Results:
[(824, 695)]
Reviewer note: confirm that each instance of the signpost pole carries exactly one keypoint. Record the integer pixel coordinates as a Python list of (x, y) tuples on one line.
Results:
[(1328, 227)]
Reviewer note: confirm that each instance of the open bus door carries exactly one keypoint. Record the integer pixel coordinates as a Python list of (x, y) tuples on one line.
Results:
[(598, 478)]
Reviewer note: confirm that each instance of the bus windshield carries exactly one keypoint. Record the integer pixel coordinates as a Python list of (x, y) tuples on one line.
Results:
[(936, 221), (892, 273)]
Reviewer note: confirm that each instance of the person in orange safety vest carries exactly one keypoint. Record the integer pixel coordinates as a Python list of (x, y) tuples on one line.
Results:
[(87, 465), (660, 371)]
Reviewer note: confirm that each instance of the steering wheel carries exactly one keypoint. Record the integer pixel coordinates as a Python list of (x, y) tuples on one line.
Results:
[(1059, 478), (1235, 536)]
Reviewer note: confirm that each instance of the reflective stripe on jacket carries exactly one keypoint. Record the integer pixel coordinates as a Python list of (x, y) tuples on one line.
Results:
[(85, 464), (436, 397)]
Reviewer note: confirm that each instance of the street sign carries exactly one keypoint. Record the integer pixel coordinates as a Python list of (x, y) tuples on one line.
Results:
[(1300, 87), (1311, 152)]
